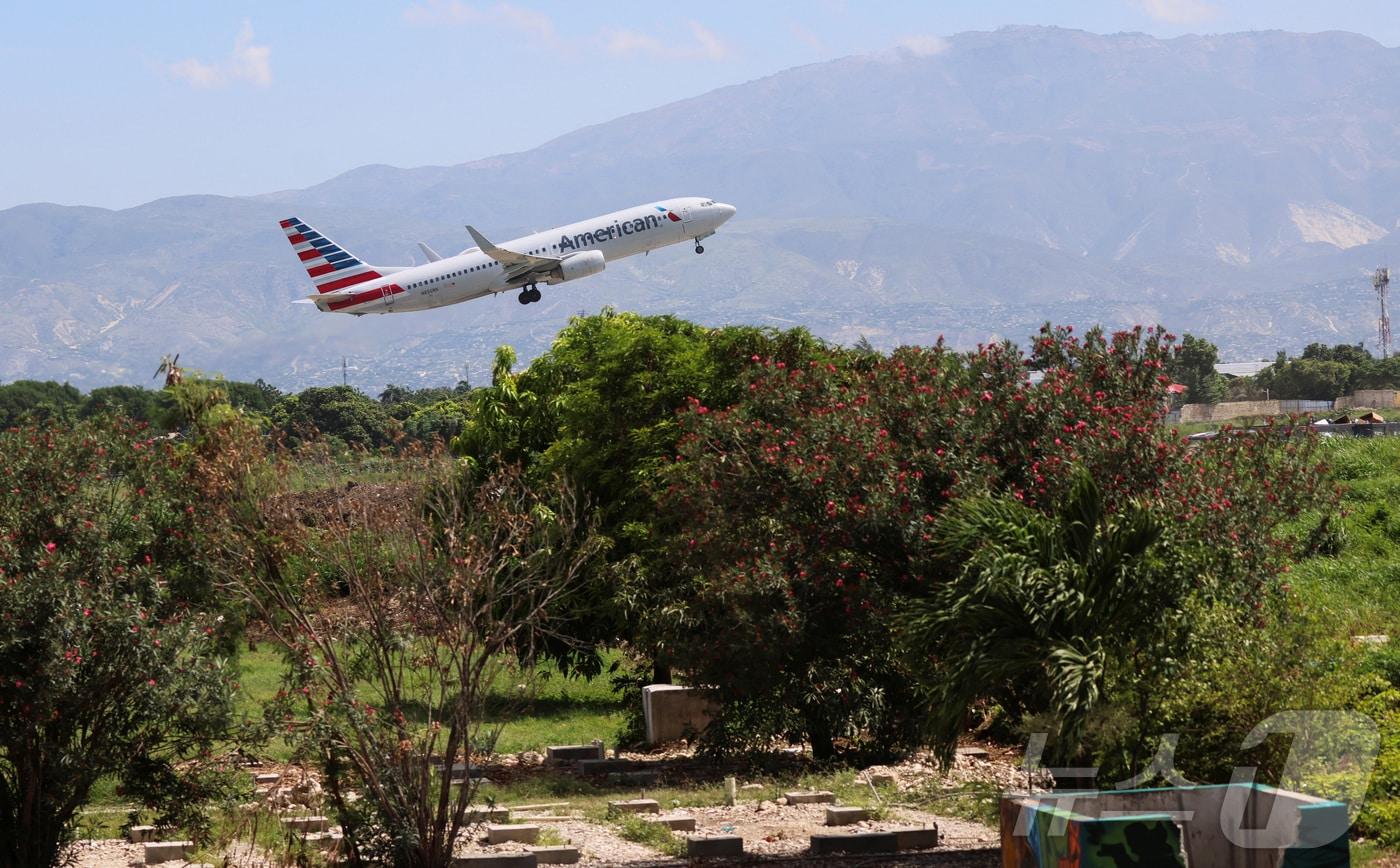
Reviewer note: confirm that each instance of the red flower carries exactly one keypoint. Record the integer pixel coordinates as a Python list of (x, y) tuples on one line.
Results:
[(48, 547)]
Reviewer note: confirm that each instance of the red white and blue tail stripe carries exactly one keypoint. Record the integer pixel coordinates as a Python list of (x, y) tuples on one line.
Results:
[(329, 265)]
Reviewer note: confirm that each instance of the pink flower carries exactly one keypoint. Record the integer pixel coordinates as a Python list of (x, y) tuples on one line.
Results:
[(48, 547)]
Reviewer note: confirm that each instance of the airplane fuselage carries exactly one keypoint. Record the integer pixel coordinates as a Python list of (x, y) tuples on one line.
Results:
[(474, 273)]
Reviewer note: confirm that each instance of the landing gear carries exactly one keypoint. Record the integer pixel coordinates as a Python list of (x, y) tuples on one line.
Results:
[(529, 293), (699, 248)]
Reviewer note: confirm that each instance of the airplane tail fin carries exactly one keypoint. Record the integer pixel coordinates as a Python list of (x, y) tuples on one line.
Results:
[(329, 265)]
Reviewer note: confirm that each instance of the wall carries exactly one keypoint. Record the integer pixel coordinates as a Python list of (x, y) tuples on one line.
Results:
[(1381, 399), (1229, 410)]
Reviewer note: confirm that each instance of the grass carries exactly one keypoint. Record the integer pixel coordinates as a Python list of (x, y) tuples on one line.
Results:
[(632, 828), (556, 710)]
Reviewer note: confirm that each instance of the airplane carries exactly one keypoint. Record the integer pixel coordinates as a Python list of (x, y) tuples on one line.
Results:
[(346, 284)]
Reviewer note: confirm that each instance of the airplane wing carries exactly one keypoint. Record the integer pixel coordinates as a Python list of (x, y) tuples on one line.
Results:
[(516, 264)]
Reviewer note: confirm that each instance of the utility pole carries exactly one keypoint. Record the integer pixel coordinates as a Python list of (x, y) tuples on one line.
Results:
[(1381, 282), (344, 372)]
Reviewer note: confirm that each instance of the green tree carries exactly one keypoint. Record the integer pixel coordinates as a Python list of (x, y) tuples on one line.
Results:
[(1193, 366), (106, 667), (1308, 379), (1043, 609), (803, 514), (37, 400), (133, 402), (341, 412), (600, 409)]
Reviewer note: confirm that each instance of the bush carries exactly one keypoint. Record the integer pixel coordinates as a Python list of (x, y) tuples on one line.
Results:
[(105, 667)]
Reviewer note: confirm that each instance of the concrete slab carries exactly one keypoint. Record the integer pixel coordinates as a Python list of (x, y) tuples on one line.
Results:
[(606, 766), (860, 842), (321, 840), (307, 824), (266, 779), (675, 824), (168, 851), (486, 815), (672, 712), (916, 839), (845, 816), (574, 752), (973, 752), (556, 855), (716, 847), (519, 832), (141, 834), (817, 797), (635, 806), (496, 860)]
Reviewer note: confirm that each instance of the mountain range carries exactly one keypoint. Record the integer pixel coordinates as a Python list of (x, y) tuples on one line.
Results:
[(1241, 187)]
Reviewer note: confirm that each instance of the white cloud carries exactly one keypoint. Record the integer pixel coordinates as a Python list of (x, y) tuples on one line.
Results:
[(922, 46), (249, 62), (704, 44), (1179, 11), (529, 22)]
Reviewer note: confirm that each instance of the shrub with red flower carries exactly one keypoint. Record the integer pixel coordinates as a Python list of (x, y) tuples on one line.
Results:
[(804, 513), (97, 569)]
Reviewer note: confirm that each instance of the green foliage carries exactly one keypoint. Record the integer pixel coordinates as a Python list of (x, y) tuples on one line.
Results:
[(1043, 609), (802, 515), (343, 413), (630, 827), (1193, 366), (600, 409), (107, 667), (36, 400)]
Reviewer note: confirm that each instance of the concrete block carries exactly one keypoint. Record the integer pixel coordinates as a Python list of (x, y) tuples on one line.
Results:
[(574, 752), (518, 832), (605, 766), (542, 806), (973, 752), (141, 834), (861, 842), (635, 806), (819, 797), (168, 851), (717, 847), (486, 815), (307, 824), (266, 779), (496, 860), (916, 839), (845, 816), (321, 840), (556, 855), (672, 711), (675, 824)]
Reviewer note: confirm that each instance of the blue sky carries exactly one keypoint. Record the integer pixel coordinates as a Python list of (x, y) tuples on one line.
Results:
[(116, 104)]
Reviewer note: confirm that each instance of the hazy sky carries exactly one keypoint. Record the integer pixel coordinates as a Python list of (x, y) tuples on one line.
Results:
[(114, 104)]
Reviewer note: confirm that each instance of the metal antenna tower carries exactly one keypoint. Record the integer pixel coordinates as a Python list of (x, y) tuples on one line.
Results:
[(1381, 281)]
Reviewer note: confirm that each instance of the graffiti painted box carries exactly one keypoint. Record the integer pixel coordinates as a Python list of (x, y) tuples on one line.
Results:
[(1238, 825)]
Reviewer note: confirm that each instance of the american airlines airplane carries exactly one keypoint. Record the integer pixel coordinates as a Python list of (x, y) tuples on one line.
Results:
[(346, 284)]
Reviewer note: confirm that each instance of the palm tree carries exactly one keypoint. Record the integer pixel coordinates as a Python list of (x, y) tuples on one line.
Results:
[(1042, 607)]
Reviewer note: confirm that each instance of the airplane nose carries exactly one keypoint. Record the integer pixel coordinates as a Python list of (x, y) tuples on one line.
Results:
[(725, 211)]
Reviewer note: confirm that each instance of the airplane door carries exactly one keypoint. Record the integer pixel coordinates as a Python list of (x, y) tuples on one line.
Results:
[(388, 299), (685, 218)]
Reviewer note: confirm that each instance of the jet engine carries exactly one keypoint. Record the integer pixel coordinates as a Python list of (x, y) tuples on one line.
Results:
[(577, 265)]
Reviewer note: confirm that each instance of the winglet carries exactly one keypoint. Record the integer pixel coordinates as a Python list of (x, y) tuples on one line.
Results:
[(486, 246), (429, 252)]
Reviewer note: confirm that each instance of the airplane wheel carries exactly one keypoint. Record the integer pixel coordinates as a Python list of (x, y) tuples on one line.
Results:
[(524, 297), (699, 249), (534, 295)]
